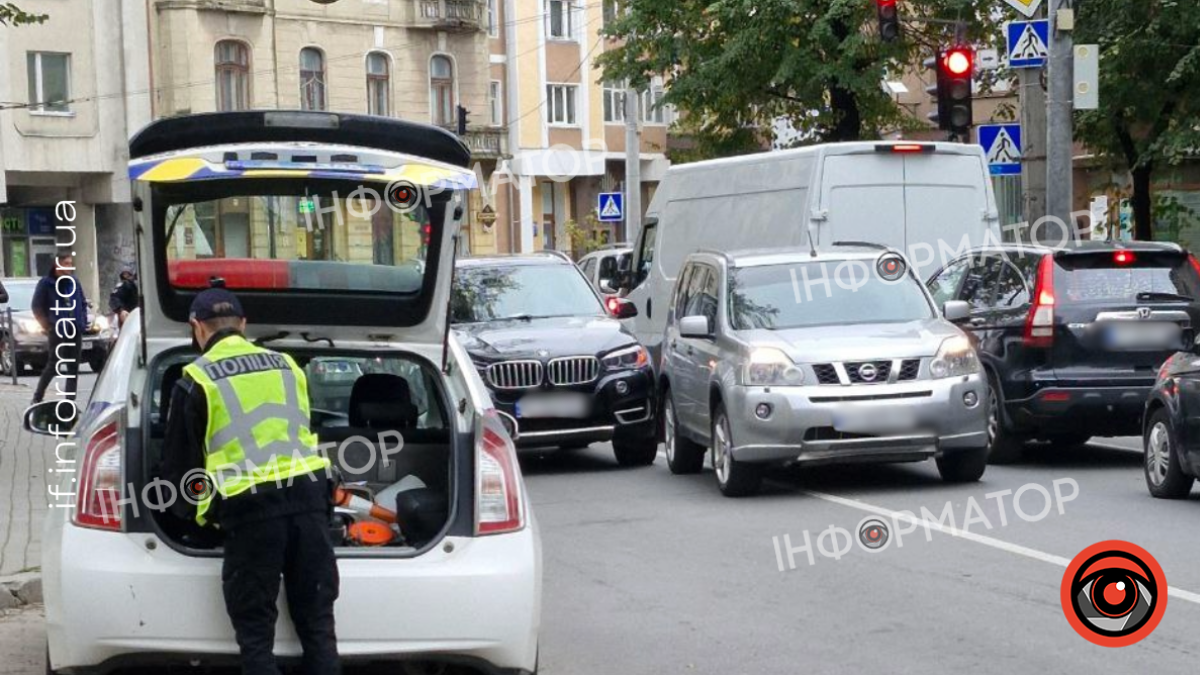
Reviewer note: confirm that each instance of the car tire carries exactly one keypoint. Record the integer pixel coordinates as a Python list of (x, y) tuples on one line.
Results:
[(1067, 441), (684, 456), (734, 478), (96, 362), (1165, 477), (963, 466), (1004, 447), (635, 451)]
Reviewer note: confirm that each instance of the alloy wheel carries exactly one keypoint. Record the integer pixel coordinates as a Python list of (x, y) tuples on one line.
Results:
[(669, 430), (720, 449), (1158, 454)]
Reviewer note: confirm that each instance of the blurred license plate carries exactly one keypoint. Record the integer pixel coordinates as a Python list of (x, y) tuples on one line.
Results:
[(874, 421), (554, 405), (1149, 336)]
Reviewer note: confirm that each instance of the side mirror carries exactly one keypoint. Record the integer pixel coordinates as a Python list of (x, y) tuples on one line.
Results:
[(51, 418), (956, 310), (1196, 345), (606, 286), (620, 308), (695, 327)]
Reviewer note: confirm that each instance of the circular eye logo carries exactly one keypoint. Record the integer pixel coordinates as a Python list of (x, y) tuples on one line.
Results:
[(403, 196), (197, 486), (1114, 593), (891, 267), (873, 534)]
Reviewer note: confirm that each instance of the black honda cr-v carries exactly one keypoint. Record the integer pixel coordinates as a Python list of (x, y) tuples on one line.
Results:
[(1072, 339), (560, 367)]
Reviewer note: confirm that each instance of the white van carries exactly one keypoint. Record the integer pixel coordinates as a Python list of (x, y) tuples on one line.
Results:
[(930, 200)]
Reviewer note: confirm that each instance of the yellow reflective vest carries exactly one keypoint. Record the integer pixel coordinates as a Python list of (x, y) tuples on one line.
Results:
[(258, 420)]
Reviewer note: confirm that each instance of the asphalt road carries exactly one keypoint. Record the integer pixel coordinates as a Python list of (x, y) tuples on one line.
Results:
[(651, 573)]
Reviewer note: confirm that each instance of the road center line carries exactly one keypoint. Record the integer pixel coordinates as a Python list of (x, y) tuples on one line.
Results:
[(971, 536)]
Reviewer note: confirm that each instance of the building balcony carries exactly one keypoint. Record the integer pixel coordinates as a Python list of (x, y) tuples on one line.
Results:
[(229, 6), (451, 15), (487, 142)]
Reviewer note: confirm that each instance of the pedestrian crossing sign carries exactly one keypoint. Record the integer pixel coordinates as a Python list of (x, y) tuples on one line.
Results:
[(1002, 144), (611, 207), (1028, 43)]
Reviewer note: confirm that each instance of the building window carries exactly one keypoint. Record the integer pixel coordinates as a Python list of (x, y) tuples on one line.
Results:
[(652, 112), (49, 82), (496, 103), (441, 90), (378, 89), (611, 9), (312, 79), (232, 60), (560, 19), (560, 104), (493, 19), (614, 102)]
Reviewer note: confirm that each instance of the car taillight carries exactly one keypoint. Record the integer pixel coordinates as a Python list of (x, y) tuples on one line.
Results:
[(499, 506), (1195, 263), (1123, 257), (612, 304), (98, 505), (1039, 325)]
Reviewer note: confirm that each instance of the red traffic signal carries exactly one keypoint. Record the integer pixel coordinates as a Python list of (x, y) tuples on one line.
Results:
[(889, 20), (959, 61)]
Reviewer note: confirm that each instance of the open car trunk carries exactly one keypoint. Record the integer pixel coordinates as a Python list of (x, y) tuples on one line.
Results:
[(384, 422)]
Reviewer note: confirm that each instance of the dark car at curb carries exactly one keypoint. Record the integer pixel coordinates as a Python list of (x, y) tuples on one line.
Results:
[(560, 367), (1072, 338), (1171, 428)]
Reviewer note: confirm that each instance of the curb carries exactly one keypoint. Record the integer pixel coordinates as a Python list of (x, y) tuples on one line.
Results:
[(24, 588)]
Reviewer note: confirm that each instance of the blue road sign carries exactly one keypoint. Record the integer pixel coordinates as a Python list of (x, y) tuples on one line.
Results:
[(611, 207), (1028, 43), (1002, 144)]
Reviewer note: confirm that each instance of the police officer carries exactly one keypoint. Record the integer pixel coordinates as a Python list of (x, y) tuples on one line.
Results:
[(240, 413), (124, 297)]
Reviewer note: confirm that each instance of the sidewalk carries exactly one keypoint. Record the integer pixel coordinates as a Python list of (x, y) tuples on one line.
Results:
[(23, 497)]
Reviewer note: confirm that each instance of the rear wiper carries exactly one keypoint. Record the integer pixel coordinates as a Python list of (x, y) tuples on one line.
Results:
[(271, 338), (1154, 295)]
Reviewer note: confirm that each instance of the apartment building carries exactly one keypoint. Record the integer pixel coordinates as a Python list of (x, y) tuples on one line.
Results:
[(419, 60), (565, 124), (72, 90)]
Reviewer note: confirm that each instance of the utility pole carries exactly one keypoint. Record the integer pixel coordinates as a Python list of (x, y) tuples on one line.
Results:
[(1034, 135), (633, 167), (1060, 122)]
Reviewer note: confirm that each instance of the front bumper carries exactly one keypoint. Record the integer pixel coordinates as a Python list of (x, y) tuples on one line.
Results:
[(801, 427), (613, 414)]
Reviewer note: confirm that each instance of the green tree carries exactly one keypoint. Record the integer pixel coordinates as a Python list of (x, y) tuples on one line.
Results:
[(1149, 91), (11, 15), (735, 66)]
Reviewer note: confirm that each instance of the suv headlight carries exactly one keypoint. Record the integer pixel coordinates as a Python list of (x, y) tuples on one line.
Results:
[(30, 326), (770, 366), (627, 358), (955, 357)]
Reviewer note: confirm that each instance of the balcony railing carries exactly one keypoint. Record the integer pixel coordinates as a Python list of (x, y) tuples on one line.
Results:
[(464, 15), (490, 143), (228, 6)]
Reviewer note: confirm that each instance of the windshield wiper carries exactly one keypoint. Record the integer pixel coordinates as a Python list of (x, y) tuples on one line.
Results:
[(1154, 295), (271, 338), (515, 317)]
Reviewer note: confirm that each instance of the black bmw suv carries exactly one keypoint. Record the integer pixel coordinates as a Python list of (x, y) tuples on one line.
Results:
[(560, 367), (1072, 339)]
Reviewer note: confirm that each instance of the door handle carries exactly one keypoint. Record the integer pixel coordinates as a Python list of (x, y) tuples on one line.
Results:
[(648, 306), (690, 351)]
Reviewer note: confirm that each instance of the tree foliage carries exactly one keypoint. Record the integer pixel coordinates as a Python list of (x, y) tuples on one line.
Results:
[(735, 66), (1149, 112), (12, 15)]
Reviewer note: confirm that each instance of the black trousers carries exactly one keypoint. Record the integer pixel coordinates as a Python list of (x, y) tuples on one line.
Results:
[(64, 351), (298, 549)]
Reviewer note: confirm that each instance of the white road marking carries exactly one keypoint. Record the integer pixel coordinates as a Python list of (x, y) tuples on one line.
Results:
[(977, 538)]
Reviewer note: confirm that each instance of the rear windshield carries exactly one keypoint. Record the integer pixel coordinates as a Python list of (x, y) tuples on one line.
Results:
[(312, 235), (777, 297), (521, 292), (1134, 277)]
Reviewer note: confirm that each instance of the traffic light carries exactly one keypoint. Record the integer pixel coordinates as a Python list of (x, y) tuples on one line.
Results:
[(955, 73), (889, 20), (462, 120)]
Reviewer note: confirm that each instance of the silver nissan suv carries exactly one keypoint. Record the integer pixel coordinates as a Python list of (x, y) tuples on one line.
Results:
[(816, 357)]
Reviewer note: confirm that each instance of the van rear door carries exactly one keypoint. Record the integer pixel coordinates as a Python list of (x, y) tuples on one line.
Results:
[(945, 201), (862, 198)]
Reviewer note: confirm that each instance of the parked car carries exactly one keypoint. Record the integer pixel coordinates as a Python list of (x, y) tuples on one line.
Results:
[(460, 583), (561, 369), (1071, 340), (899, 194), (842, 369), (602, 268), (1170, 431), (32, 347)]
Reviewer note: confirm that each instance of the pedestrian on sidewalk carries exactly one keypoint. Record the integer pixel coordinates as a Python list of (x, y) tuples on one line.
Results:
[(241, 413), (61, 310)]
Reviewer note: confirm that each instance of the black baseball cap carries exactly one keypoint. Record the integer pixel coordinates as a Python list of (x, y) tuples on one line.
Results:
[(216, 303)]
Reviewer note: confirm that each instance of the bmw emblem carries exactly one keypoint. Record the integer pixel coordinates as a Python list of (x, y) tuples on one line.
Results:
[(868, 372), (542, 353)]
